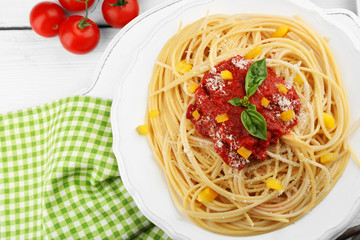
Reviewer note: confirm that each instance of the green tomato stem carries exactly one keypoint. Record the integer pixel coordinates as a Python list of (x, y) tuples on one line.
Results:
[(83, 23), (119, 3)]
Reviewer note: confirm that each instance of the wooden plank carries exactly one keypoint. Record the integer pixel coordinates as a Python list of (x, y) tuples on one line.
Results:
[(35, 70)]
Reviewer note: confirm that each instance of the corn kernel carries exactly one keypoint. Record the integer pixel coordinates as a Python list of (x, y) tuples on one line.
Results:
[(154, 113), (183, 66), (328, 157), (226, 75), (287, 115), (281, 88), (264, 102), (253, 53), (207, 195), (192, 88), (222, 118), (280, 32), (196, 114), (299, 80), (142, 129), (274, 183), (329, 120), (245, 153)]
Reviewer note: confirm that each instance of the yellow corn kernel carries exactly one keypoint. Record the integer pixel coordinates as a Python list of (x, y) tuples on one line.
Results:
[(142, 129), (207, 195), (299, 80), (183, 66), (226, 75), (196, 114), (280, 32), (328, 157), (287, 115), (154, 113), (222, 118), (274, 183), (192, 88), (245, 153), (281, 88), (264, 102), (328, 120), (253, 53)]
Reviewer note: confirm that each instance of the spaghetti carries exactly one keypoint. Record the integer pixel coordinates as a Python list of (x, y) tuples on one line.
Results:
[(306, 162)]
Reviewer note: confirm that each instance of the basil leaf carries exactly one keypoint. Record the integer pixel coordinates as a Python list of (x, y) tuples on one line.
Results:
[(256, 74), (252, 106), (254, 123), (241, 102), (236, 101)]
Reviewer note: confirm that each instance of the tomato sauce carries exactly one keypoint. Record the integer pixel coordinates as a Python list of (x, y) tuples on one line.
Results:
[(212, 99)]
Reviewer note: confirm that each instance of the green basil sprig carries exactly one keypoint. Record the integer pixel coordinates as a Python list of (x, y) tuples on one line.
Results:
[(252, 120), (254, 123), (256, 74)]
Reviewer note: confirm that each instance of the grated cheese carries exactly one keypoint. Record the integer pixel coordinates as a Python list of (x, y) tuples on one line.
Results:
[(283, 102), (213, 70), (201, 99), (236, 161), (240, 63), (231, 138), (216, 83), (219, 144)]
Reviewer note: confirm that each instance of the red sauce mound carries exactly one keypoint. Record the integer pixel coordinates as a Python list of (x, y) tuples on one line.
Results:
[(211, 99)]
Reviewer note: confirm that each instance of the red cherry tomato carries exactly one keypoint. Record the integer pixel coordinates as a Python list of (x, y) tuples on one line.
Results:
[(117, 13), (45, 18), (77, 40), (75, 6)]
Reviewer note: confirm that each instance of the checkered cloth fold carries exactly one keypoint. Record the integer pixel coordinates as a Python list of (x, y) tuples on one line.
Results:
[(59, 178)]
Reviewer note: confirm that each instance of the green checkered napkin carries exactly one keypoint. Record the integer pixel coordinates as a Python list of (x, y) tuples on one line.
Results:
[(59, 178)]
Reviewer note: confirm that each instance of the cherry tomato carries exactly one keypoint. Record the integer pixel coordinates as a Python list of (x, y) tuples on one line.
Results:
[(117, 13), (75, 6), (77, 40), (45, 18)]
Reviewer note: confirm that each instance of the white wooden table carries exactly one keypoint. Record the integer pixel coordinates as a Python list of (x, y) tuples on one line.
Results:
[(36, 70)]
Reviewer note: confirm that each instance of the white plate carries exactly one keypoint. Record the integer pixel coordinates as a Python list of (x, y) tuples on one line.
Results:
[(138, 45)]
